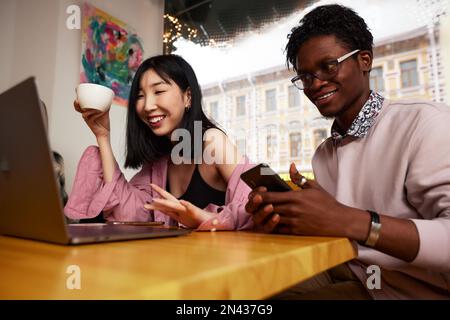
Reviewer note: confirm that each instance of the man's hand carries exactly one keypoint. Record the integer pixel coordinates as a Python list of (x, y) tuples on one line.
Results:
[(263, 217), (307, 211)]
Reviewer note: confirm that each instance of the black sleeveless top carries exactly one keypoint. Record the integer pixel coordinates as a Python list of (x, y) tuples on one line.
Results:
[(199, 193)]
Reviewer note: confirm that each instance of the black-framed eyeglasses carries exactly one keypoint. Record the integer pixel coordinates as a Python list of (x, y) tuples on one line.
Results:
[(327, 71)]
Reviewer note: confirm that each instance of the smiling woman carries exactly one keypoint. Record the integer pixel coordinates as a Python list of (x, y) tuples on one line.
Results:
[(164, 97)]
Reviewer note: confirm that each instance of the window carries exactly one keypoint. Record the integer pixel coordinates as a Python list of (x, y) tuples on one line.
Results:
[(409, 73), (376, 79), (293, 97), (271, 142), (295, 144), (241, 145), (294, 126), (320, 135), (240, 106), (271, 100), (214, 110)]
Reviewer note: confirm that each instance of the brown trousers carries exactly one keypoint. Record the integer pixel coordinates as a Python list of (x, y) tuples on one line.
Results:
[(338, 283)]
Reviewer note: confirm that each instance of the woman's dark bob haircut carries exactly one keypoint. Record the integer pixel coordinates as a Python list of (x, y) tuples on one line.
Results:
[(142, 145)]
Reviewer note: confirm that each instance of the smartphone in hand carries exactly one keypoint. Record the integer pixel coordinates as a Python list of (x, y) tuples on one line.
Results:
[(263, 176)]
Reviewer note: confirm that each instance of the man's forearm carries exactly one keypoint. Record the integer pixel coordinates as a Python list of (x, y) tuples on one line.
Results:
[(398, 237)]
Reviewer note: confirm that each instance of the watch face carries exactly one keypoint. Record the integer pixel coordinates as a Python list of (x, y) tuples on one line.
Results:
[(375, 227)]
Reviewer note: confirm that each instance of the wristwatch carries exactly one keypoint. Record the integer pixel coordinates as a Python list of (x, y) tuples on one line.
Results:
[(375, 228)]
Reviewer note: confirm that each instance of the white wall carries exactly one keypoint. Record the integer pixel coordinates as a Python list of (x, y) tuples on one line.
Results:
[(35, 41), (28, 40)]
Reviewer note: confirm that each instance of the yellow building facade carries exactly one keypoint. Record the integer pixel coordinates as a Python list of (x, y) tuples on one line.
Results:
[(271, 121)]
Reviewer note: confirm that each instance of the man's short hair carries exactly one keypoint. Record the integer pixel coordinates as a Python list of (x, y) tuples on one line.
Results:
[(342, 22)]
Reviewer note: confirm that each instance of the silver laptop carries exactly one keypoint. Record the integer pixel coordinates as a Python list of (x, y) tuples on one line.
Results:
[(30, 203)]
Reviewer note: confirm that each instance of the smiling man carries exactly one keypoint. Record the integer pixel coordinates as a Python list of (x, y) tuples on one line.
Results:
[(382, 179)]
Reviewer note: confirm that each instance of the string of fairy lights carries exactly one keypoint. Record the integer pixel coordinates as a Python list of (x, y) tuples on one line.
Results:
[(205, 33), (174, 29)]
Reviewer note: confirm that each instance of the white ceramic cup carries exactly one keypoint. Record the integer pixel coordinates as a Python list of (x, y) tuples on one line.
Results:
[(94, 96)]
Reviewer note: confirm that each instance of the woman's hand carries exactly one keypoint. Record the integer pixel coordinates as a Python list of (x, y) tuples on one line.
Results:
[(97, 121), (182, 211)]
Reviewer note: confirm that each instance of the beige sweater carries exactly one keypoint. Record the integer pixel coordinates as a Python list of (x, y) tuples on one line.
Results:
[(400, 169)]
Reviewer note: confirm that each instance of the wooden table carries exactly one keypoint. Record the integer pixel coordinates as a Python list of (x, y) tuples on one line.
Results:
[(201, 265)]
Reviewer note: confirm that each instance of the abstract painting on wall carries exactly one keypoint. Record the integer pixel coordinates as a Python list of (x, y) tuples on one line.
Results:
[(111, 52)]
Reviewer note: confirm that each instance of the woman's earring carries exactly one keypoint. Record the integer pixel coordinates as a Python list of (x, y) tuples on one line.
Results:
[(187, 108)]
